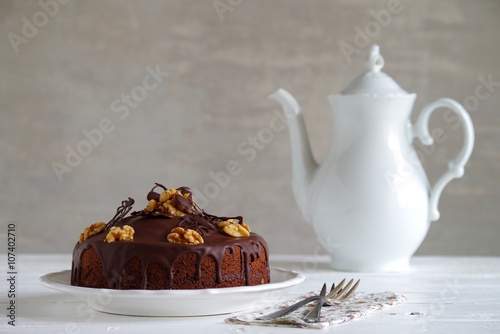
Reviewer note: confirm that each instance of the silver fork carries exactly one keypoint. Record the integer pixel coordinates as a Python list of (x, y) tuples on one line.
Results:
[(335, 296)]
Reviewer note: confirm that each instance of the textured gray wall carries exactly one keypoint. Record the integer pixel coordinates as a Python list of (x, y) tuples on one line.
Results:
[(74, 71)]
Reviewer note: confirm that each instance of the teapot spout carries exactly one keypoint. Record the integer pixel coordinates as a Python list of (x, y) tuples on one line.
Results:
[(303, 164)]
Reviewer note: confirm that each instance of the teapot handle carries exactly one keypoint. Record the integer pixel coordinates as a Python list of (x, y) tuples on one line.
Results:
[(456, 166)]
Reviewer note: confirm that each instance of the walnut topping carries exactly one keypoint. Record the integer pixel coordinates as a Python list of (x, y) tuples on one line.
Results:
[(246, 227), (179, 235), (91, 230), (171, 209), (122, 234), (169, 195), (168, 204), (234, 229), (152, 204), (226, 222)]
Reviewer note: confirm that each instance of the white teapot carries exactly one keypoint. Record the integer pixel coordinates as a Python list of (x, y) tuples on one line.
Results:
[(369, 201)]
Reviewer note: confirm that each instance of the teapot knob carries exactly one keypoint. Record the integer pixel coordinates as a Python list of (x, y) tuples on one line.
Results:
[(374, 62)]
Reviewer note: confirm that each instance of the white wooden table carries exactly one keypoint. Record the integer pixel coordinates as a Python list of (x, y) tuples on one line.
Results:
[(445, 295)]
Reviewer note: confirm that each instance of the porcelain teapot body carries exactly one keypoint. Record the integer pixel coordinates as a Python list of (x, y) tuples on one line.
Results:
[(369, 201)]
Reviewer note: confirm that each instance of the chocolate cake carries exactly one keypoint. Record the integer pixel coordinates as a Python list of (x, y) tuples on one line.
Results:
[(171, 244)]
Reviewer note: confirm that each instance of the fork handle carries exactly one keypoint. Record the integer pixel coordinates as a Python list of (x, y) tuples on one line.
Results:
[(289, 309)]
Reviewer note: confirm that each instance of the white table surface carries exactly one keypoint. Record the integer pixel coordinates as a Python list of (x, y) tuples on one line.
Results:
[(445, 295)]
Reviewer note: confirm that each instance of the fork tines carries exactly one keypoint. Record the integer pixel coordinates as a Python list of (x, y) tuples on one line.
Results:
[(340, 293)]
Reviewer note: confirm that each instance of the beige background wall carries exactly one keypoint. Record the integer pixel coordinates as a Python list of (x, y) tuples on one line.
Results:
[(74, 71)]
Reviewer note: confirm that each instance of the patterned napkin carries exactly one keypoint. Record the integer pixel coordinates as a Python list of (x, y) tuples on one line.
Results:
[(359, 305)]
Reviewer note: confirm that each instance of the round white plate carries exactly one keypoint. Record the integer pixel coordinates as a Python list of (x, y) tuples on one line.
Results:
[(172, 302)]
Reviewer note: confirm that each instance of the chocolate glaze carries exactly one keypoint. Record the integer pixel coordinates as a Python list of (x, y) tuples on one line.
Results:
[(150, 244)]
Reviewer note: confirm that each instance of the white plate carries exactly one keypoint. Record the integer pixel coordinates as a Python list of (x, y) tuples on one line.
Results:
[(172, 302)]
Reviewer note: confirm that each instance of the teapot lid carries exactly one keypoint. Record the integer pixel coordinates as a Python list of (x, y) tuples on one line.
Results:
[(374, 82)]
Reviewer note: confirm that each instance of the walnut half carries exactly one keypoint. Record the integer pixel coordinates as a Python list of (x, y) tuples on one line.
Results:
[(171, 209), (168, 204), (91, 230), (122, 234), (234, 229), (152, 204), (169, 195), (179, 235)]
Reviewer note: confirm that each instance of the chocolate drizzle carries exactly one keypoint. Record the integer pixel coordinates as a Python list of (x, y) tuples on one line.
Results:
[(199, 224), (150, 243), (154, 195), (121, 212)]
